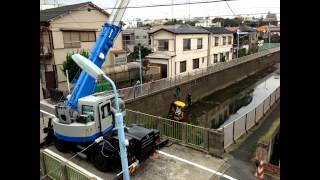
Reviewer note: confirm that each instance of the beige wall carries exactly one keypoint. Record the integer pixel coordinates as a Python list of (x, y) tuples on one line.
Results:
[(194, 53), (220, 48), (205, 54), (76, 20), (176, 45)]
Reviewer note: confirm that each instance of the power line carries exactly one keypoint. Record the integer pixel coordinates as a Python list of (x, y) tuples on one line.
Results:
[(230, 8), (150, 6), (182, 18)]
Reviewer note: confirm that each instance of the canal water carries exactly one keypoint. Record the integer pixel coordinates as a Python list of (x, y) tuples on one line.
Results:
[(222, 106)]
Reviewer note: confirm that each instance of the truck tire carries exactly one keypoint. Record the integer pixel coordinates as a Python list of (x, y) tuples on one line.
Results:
[(101, 162), (61, 146)]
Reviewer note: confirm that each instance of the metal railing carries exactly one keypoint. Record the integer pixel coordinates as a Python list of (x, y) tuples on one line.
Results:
[(131, 93), (191, 135), (56, 167)]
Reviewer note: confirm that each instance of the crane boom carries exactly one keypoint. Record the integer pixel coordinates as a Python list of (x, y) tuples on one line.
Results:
[(86, 84)]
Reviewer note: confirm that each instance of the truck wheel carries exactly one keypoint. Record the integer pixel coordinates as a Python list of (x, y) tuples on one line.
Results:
[(61, 145), (100, 162)]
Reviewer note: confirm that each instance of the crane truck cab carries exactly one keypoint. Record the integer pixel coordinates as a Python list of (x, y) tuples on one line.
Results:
[(95, 118)]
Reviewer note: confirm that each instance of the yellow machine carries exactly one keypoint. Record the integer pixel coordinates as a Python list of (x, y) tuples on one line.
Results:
[(176, 111)]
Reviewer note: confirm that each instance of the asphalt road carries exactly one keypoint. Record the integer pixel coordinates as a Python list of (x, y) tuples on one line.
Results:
[(240, 159)]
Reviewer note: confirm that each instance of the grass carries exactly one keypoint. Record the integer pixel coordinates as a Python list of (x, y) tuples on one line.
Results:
[(271, 133)]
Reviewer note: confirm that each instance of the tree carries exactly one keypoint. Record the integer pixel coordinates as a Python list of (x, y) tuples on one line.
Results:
[(144, 52), (232, 22), (218, 19), (192, 23), (173, 22), (71, 66)]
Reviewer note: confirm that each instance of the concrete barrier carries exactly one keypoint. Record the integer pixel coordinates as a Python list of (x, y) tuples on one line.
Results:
[(239, 127), (216, 143), (228, 135), (259, 112), (266, 105), (250, 119)]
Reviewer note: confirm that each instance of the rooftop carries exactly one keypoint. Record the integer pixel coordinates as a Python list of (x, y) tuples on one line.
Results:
[(161, 55), (218, 30), (53, 13), (180, 29)]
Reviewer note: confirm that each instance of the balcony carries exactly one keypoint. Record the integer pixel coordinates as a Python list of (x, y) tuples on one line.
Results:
[(45, 51)]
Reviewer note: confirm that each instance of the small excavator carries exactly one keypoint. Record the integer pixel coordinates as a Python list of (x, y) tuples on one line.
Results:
[(178, 109)]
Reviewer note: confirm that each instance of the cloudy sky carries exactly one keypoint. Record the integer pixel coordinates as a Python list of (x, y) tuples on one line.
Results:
[(186, 11)]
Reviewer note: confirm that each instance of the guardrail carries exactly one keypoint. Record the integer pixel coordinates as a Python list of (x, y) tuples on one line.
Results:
[(131, 93), (235, 129), (57, 167), (194, 136)]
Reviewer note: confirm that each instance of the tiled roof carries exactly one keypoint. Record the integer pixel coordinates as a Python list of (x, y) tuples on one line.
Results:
[(218, 30), (50, 14), (181, 29)]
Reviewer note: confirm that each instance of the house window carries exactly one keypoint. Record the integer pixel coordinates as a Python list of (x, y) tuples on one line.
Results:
[(221, 57), (229, 40), (223, 40), (144, 37), (183, 66), (87, 36), (72, 39), (163, 45), (216, 41), (227, 55), (215, 58), (199, 43), (203, 60), (196, 63), (186, 44)]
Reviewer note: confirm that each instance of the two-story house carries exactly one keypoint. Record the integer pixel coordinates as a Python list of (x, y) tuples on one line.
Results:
[(69, 29), (220, 45), (247, 41), (180, 49), (133, 36)]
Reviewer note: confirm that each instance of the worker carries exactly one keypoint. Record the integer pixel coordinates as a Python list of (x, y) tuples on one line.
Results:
[(189, 99)]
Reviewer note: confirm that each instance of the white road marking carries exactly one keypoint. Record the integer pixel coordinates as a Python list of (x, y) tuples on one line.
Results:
[(197, 165), (45, 112)]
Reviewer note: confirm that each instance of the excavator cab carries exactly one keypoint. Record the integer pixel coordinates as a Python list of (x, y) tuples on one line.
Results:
[(177, 111)]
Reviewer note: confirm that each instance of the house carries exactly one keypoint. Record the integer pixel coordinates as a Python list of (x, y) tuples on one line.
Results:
[(263, 31), (182, 48), (220, 45), (271, 18), (135, 23), (68, 29), (207, 22), (247, 41), (133, 36)]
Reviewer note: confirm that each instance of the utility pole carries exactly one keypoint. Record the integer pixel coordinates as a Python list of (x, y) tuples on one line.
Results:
[(237, 43), (140, 69), (269, 34)]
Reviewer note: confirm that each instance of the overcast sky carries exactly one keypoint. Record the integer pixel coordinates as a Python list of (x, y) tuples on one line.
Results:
[(184, 11)]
